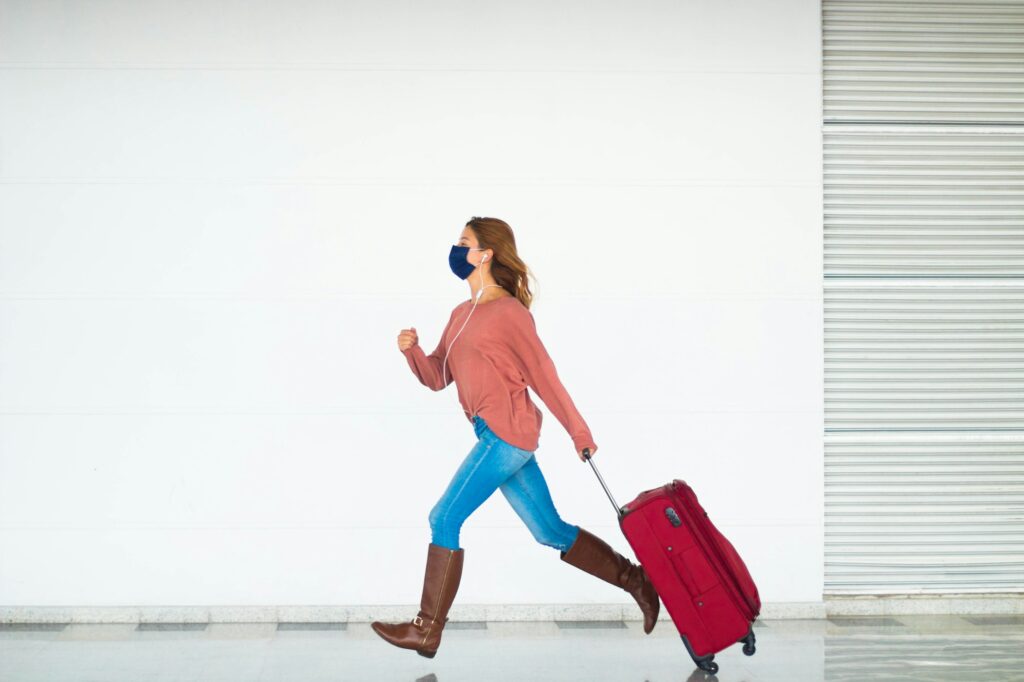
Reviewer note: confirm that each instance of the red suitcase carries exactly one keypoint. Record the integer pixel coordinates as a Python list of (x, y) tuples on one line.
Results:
[(700, 578)]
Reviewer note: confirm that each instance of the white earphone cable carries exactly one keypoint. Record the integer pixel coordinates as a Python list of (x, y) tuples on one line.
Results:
[(475, 300)]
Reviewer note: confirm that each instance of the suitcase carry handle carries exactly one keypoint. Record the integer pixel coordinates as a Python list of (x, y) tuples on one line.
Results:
[(586, 455)]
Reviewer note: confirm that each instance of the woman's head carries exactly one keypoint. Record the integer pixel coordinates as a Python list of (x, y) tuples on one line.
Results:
[(495, 239)]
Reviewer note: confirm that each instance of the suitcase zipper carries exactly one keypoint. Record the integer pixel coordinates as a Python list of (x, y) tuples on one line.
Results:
[(713, 551), (727, 566)]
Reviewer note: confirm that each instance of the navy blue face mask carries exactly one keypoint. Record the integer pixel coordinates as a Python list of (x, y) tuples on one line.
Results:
[(458, 262)]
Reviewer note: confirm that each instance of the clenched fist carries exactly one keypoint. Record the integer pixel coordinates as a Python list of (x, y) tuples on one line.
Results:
[(408, 338)]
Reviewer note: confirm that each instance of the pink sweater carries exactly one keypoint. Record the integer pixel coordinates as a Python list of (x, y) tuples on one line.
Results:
[(492, 362)]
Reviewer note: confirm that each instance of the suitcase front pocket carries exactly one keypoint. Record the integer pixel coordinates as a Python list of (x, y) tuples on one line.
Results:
[(692, 569), (701, 573)]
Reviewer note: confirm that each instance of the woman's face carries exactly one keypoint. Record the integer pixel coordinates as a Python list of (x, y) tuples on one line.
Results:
[(469, 239)]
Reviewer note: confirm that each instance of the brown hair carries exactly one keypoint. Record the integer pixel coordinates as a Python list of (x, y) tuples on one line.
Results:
[(507, 268)]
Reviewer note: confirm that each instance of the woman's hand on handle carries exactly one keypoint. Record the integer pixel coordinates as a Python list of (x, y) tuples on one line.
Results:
[(585, 452), (407, 338)]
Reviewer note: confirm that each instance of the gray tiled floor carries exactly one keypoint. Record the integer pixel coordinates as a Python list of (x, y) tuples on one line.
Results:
[(925, 648)]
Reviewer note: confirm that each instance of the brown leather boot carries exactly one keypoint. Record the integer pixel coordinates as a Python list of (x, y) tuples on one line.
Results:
[(595, 556), (440, 583)]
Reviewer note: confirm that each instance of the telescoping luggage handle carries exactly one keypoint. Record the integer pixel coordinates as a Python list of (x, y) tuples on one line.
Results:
[(586, 455)]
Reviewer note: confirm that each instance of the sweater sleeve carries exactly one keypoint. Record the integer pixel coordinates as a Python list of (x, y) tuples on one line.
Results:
[(427, 368), (539, 371)]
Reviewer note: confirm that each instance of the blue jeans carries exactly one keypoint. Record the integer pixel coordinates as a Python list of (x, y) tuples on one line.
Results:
[(494, 463)]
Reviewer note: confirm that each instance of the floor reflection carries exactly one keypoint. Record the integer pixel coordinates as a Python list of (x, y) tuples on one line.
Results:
[(911, 648)]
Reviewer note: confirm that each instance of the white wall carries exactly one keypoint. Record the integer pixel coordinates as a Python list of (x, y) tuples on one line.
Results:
[(217, 216)]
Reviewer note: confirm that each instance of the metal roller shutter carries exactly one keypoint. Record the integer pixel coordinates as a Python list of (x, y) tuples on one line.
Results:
[(924, 297)]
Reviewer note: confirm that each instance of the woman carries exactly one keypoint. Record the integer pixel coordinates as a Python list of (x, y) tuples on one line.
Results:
[(497, 356)]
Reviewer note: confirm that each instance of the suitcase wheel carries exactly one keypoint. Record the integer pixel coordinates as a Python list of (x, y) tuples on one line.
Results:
[(708, 665), (748, 642)]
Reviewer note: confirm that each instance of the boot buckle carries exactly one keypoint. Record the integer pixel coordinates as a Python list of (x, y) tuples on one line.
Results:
[(417, 621)]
